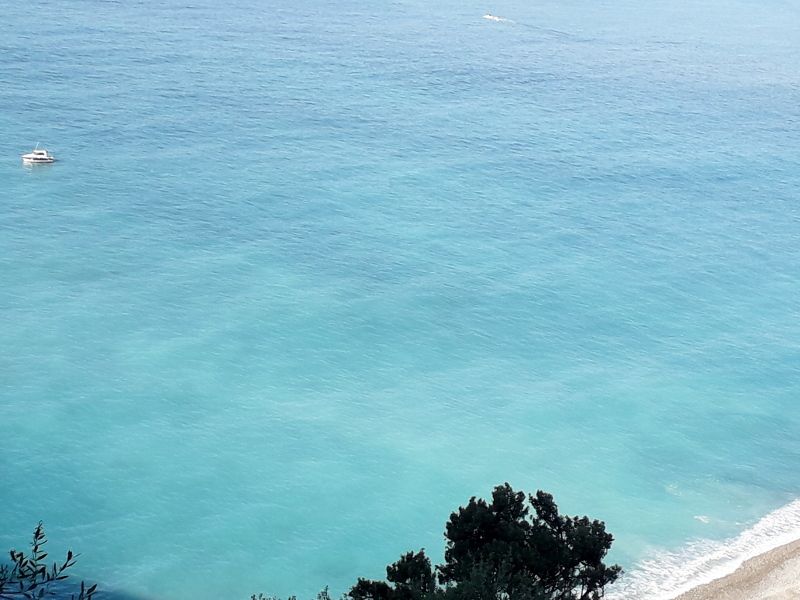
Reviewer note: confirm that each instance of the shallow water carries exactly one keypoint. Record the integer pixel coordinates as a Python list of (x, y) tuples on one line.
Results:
[(305, 278)]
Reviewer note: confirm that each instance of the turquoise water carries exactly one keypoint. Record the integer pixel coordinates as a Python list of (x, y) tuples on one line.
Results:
[(307, 277)]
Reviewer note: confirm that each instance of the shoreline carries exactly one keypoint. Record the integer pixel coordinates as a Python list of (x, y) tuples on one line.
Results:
[(773, 575), (759, 559)]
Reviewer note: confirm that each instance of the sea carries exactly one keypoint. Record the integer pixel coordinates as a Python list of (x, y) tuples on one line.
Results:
[(307, 276)]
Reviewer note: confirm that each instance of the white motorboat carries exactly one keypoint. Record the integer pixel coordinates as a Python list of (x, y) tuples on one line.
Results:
[(38, 156), (497, 19)]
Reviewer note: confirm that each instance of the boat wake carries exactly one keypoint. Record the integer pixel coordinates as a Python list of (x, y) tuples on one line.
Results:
[(673, 573), (497, 19)]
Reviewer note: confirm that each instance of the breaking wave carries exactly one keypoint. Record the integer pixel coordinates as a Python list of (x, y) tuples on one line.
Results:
[(673, 573)]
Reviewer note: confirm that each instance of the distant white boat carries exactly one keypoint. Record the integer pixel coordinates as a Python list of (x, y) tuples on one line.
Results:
[(38, 156), (492, 17)]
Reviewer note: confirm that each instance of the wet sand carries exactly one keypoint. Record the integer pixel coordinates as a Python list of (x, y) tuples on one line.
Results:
[(774, 575)]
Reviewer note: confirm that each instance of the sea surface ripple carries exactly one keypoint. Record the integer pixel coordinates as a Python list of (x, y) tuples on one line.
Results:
[(307, 277)]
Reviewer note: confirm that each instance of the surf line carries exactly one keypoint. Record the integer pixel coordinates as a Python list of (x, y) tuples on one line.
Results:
[(671, 573)]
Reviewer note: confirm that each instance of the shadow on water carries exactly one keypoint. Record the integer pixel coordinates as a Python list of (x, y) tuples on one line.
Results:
[(67, 592), (118, 595)]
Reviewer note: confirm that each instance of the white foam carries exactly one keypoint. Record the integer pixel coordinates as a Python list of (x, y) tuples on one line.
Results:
[(673, 573), (492, 17)]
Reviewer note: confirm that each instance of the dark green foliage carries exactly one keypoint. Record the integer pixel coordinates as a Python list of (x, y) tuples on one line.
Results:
[(502, 550), (28, 577), (323, 595), (265, 597), (366, 589), (412, 577)]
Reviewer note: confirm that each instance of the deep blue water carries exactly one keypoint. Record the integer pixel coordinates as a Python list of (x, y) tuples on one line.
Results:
[(306, 277)]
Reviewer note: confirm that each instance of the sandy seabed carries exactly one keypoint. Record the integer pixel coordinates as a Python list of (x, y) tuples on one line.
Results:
[(774, 575)]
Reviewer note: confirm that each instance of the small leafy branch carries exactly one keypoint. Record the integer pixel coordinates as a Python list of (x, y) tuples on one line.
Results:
[(29, 578)]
